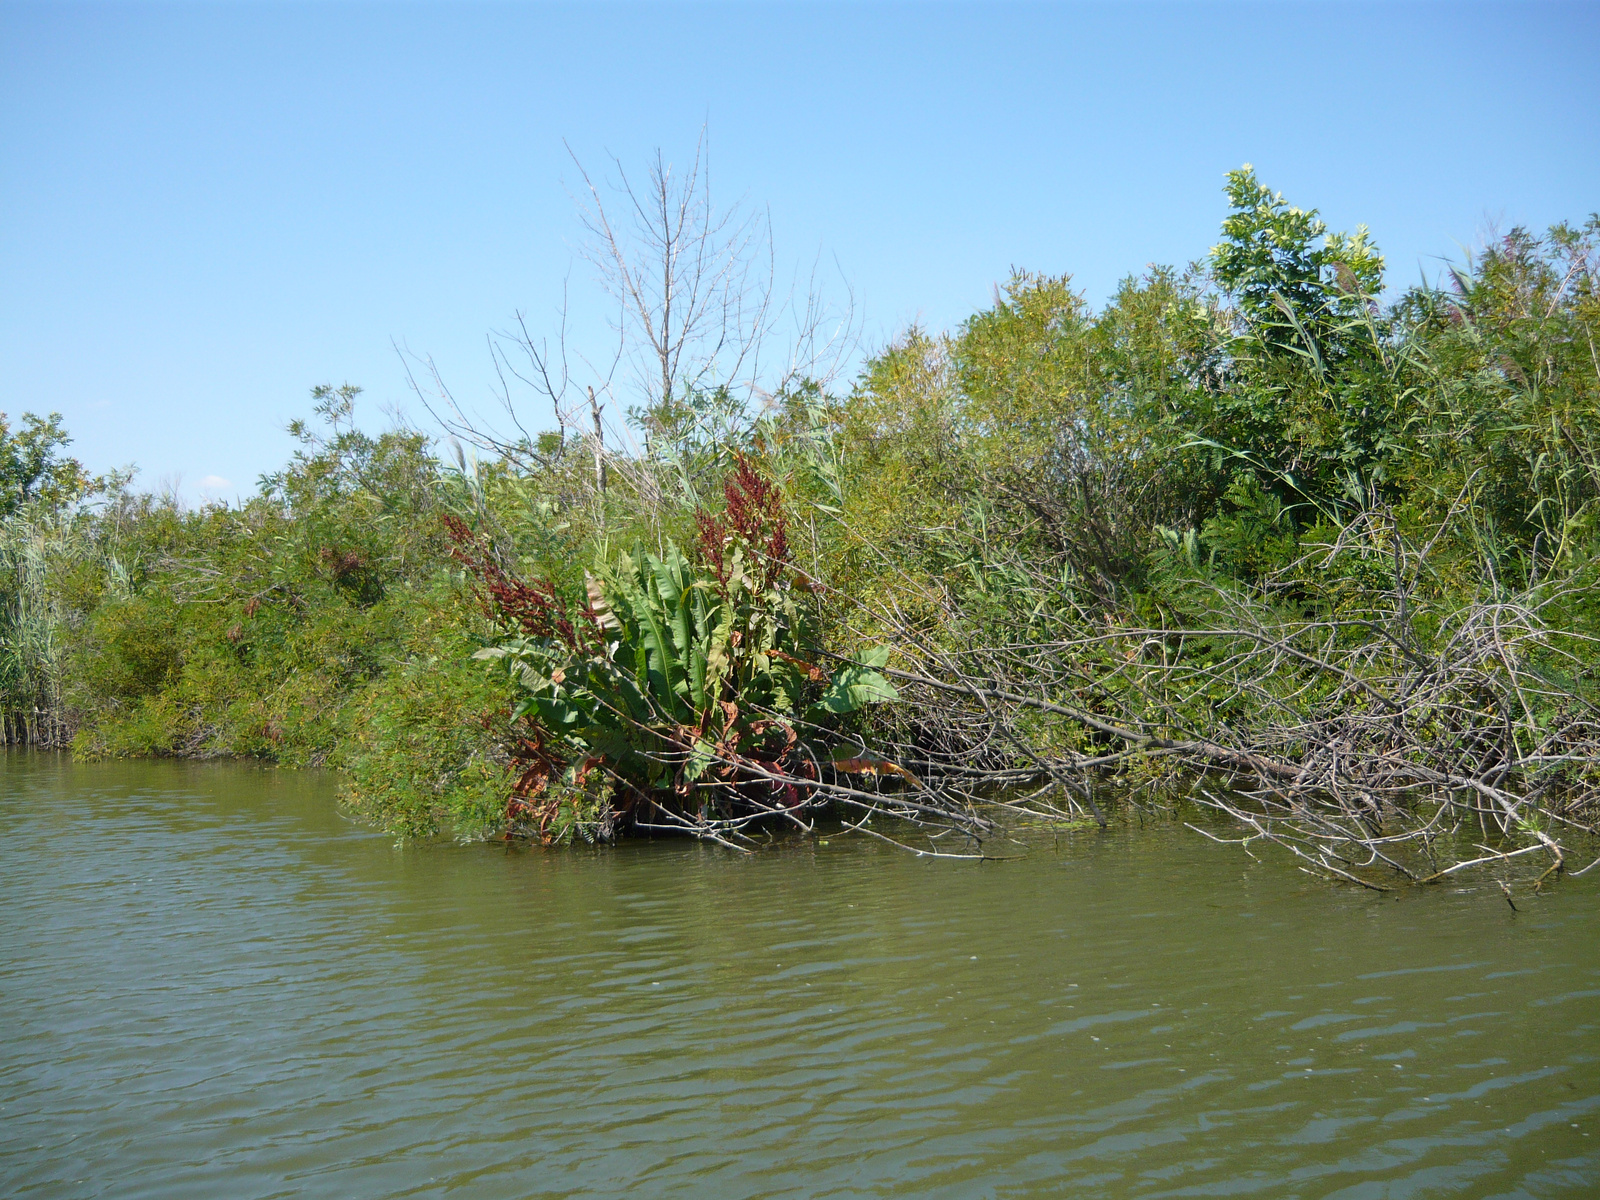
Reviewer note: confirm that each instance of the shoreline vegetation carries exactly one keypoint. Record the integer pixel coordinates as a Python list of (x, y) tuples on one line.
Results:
[(1257, 535)]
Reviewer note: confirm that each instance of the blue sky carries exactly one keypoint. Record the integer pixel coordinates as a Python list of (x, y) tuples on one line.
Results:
[(207, 209)]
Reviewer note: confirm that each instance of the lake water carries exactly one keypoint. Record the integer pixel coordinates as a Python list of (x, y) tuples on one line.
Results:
[(214, 985)]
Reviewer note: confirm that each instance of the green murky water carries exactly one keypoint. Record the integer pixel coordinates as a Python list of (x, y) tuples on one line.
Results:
[(213, 985)]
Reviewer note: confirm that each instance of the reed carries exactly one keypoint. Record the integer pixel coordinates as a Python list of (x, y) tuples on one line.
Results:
[(36, 546)]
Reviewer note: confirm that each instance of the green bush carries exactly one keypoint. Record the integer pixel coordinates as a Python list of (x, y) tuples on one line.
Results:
[(427, 747), (1259, 434)]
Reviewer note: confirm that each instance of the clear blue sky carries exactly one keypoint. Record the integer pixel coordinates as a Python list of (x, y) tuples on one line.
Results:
[(207, 209)]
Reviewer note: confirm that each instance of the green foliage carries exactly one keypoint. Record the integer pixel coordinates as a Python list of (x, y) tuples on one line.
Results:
[(1300, 291), (50, 571), (42, 553), (667, 679), (1312, 396), (1250, 535), (1249, 441), (1509, 401), (426, 750), (248, 631), (33, 469)]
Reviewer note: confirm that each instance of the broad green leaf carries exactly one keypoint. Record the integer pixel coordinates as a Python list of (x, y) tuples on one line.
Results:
[(876, 656), (701, 756), (854, 687)]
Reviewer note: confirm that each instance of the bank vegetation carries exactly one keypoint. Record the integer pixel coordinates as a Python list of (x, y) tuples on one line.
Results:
[(1267, 542)]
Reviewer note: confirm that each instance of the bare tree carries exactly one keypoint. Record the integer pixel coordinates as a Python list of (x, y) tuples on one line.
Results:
[(696, 311), (694, 284)]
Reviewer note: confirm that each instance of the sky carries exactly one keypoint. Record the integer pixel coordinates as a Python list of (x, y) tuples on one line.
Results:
[(208, 209)]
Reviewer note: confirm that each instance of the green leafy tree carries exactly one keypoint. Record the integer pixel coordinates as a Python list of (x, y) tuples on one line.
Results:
[(1299, 289), (32, 466), (1313, 396)]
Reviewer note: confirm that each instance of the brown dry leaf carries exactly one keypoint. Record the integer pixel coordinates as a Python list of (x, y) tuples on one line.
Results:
[(872, 764)]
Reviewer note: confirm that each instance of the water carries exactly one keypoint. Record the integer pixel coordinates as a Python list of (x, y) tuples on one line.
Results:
[(211, 984)]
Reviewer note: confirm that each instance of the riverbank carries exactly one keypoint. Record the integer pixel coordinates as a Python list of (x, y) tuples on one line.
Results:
[(1260, 533)]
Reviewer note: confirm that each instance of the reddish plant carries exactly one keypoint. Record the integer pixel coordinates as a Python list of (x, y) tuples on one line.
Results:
[(341, 563), (755, 517), (532, 802), (536, 607)]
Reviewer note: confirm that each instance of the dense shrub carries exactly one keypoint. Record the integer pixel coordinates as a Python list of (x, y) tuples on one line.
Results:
[(1262, 438)]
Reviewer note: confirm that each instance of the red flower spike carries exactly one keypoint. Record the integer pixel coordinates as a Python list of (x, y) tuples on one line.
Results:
[(754, 516)]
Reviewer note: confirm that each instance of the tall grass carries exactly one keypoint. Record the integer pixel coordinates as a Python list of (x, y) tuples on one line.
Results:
[(35, 547)]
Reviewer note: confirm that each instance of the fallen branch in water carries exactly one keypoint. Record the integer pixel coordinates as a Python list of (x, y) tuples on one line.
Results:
[(1364, 736)]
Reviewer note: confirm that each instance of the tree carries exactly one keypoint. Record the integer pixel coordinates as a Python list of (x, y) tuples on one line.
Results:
[(1311, 397), (1298, 288), (697, 313), (32, 466)]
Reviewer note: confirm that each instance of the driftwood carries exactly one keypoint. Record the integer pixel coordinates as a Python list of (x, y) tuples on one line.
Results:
[(1391, 740), (1366, 741)]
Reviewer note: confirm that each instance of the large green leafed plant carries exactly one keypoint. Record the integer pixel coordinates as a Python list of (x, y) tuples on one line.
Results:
[(671, 689)]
